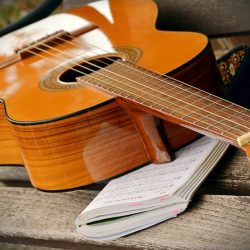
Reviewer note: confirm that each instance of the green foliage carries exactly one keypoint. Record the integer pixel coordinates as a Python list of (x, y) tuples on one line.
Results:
[(12, 10), (8, 14)]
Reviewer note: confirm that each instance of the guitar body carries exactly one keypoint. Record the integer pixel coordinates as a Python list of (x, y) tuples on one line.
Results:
[(68, 135)]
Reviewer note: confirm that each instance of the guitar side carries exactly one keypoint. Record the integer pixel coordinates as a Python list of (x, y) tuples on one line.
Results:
[(66, 142)]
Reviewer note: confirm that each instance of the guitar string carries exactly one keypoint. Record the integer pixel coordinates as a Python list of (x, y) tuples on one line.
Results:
[(205, 117), (164, 76), (225, 108), (118, 87), (178, 93), (122, 89)]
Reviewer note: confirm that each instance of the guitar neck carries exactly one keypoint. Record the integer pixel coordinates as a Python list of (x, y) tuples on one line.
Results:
[(173, 100)]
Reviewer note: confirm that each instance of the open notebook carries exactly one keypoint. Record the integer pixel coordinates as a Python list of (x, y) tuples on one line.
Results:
[(151, 194)]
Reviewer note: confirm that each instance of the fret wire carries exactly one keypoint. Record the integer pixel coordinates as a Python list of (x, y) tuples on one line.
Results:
[(210, 100), (85, 67), (228, 125), (152, 100), (81, 65), (237, 118), (217, 103), (173, 104), (168, 97), (231, 115), (218, 122), (167, 77), (163, 107), (228, 130), (68, 67), (119, 75), (213, 127), (130, 67), (198, 100), (228, 117), (173, 90), (221, 105), (207, 106), (139, 93), (192, 103), (226, 134)]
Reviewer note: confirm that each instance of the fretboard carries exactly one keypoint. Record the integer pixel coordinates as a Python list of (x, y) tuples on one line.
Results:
[(173, 100)]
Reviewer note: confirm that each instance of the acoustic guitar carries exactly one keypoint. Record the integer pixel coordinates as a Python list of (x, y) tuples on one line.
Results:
[(84, 96)]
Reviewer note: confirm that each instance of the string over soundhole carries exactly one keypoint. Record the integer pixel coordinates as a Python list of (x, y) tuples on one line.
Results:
[(65, 77), (86, 68)]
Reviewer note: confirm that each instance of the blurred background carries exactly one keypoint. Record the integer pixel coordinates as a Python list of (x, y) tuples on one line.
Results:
[(13, 10)]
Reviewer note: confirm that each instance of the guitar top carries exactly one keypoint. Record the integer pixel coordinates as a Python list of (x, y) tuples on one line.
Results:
[(126, 26), (57, 120)]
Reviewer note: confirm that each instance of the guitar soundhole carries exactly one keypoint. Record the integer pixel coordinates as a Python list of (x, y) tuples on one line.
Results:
[(86, 68), (63, 78)]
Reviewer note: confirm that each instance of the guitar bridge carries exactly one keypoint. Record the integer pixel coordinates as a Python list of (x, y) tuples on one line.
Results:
[(44, 43), (34, 37)]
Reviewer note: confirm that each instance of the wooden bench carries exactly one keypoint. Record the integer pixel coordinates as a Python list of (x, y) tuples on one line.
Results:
[(217, 218)]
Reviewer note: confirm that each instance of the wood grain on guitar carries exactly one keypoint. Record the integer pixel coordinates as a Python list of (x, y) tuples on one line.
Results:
[(80, 135)]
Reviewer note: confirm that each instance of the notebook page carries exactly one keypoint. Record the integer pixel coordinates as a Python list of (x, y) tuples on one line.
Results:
[(155, 180)]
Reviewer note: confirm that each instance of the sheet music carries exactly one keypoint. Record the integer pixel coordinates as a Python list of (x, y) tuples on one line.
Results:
[(154, 180)]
